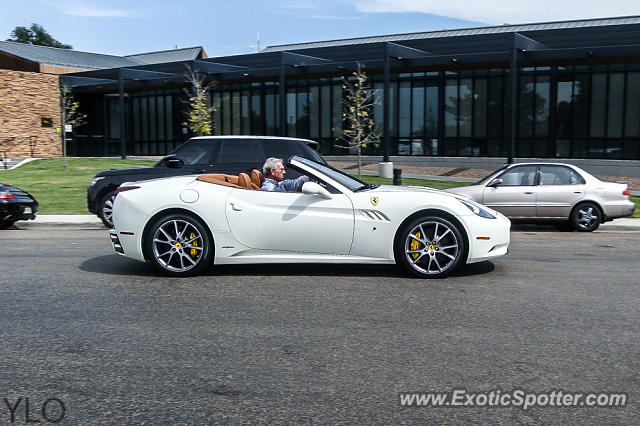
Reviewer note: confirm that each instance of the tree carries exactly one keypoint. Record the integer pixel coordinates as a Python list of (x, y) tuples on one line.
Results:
[(69, 114), (200, 114), (359, 129), (37, 35)]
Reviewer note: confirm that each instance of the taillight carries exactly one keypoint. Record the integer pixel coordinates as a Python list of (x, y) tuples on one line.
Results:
[(123, 189), (6, 196), (626, 192)]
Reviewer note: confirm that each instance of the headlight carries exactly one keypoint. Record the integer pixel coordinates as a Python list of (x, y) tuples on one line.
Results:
[(476, 209), (96, 180)]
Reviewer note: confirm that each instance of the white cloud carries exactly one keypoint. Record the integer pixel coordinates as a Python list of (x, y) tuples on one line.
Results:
[(505, 11)]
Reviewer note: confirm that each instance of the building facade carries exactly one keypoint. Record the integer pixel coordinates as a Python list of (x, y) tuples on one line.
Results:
[(547, 90)]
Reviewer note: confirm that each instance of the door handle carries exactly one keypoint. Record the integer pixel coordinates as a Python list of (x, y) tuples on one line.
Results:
[(577, 192), (528, 192), (236, 207)]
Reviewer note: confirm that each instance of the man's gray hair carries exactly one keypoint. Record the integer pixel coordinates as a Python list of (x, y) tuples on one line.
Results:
[(271, 164)]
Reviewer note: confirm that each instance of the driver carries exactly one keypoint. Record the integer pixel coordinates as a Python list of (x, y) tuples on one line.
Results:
[(274, 180)]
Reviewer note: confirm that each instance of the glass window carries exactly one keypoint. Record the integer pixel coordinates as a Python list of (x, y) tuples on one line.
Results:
[(235, 151), (161, 118), (114, 118), (542, 105), (526, 107), (244, 112), (519, 176), (404, 109), (559, 175), (302, 113), (153, 119), (417, 111), (136, 119), (616, 98), (257, 127), (169, 116), (325, 117), (336, 119), (598, 102), (269, 112), (144, 124), (580, 106), (563, 109), (450, 108), (480, 107), (632, 111), (236, 123), (465, 100), (197, 151), (217, 113), (496, 107), (314, 112), (225, 106), (291, 114), (432, 111)]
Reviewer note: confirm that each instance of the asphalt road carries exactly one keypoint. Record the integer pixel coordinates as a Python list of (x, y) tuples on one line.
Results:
[(118, 344)]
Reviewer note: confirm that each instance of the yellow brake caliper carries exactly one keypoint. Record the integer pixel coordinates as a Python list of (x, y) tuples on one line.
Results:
[(415, 245), (194, 252)]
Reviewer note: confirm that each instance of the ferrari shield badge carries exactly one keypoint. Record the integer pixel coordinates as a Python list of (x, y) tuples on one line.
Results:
[(374, 200)]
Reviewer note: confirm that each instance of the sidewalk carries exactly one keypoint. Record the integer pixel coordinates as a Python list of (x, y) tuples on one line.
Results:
[(93, 222)]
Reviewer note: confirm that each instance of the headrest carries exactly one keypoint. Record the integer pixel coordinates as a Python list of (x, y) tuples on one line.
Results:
[(256, 178), (244, 181)]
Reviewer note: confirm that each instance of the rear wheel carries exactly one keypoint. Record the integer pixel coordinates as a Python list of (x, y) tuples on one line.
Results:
[(430, 247), (179, 245), (586, 217), (105, 209)]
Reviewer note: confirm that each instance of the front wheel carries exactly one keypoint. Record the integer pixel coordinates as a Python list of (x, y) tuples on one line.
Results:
[(178, 245), (586, 217), (430, 247), (105, 209), (5, 224)]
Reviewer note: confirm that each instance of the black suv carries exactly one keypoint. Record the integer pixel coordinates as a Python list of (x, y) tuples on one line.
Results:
[(205, 154)]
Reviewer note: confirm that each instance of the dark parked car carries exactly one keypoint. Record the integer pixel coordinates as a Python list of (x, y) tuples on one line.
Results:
[(15, 205), (199, 155)]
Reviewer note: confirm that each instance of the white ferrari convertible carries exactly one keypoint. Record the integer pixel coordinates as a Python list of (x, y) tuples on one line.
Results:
[(184, 224)]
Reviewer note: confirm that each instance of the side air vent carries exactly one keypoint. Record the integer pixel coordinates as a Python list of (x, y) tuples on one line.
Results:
[(375, 215)]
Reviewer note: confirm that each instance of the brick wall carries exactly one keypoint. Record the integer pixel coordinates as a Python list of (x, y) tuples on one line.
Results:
[(25, 99)]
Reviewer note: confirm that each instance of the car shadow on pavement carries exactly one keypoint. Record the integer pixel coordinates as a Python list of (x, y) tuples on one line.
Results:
[(114, 264)]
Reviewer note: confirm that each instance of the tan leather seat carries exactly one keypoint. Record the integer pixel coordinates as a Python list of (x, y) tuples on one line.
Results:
[(256, 178), (219, 179), (244, 181)]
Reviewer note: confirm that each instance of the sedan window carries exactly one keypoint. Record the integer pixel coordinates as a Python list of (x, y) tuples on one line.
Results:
[(559, 175), (196, 151), (519, 176)]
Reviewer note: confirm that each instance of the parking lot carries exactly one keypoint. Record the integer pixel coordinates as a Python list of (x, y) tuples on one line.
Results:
[(118, 343)]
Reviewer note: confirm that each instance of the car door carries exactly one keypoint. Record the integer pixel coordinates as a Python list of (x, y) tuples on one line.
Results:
[(560, 188), (515, 197), (291, 221)]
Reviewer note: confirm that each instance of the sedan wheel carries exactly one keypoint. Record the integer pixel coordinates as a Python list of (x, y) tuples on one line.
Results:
[(430, 247), (586, 217), (105, 209), (179, 245)]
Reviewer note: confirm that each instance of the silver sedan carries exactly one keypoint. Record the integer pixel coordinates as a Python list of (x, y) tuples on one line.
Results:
[(561, 193)]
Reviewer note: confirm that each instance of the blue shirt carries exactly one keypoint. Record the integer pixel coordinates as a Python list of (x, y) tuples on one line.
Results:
[(284, 185)]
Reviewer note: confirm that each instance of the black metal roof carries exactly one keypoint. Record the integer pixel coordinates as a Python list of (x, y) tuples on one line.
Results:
[(605, 23), (67, 58)]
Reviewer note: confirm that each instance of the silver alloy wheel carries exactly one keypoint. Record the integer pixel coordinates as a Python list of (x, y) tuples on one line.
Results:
[(431, 247), (587, 216), (107, 211), (177, 245)]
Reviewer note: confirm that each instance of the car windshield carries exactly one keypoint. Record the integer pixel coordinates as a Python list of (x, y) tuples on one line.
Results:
[(342, 178), (490, 175)]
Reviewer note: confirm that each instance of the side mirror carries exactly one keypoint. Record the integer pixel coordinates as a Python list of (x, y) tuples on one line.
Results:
[(312, 188), (495, 182), (173, 162)]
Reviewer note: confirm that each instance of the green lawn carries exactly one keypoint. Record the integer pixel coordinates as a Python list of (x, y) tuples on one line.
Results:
[(59, 191), (65, 192)]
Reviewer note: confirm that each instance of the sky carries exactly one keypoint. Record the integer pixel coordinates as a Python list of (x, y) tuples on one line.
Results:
[(225, 27)]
